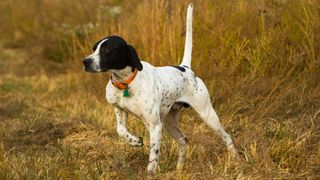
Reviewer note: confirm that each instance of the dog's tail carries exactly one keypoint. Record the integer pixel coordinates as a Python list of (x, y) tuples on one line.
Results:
[(186, 61)]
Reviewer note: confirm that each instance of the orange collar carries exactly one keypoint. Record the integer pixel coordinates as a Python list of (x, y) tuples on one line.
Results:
[(124, 85)]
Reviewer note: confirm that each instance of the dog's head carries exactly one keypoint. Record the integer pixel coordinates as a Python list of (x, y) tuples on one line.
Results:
[(112, 52)]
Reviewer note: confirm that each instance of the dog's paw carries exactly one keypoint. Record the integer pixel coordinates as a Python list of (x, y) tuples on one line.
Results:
[(153, 167), (233, 154), (136, 143)]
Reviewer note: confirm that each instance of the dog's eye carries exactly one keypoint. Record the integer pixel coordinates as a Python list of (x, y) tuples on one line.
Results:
[(105, 50)]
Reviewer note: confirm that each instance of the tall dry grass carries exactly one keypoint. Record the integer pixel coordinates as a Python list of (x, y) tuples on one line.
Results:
[(259, 59)]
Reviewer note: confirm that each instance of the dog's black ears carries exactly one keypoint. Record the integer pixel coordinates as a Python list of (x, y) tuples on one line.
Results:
[(133, 56)]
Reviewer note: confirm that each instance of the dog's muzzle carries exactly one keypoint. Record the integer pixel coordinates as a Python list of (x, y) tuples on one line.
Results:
[(87, 63)]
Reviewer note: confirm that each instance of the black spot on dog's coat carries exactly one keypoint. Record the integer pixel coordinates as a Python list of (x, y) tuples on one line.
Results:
[(185, 105), (182, 69)]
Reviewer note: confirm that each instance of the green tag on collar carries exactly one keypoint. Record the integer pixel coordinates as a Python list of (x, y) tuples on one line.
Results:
[(126, 93)]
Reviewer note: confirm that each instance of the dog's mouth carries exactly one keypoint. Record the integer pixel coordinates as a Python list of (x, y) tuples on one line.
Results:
[(88, 70)]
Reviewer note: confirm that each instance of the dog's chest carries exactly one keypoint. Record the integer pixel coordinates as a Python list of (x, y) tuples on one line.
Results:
[(130, 104), (115, 97)]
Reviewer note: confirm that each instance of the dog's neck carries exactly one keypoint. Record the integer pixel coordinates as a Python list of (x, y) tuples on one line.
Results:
[(121, 75)]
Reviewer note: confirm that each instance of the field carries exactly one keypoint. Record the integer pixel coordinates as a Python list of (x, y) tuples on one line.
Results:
[(259, 58)]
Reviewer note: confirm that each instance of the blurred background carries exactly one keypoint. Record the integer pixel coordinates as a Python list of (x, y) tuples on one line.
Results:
[(259, 58)]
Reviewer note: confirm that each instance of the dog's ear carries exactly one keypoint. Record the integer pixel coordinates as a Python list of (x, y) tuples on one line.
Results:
[(133, 56)]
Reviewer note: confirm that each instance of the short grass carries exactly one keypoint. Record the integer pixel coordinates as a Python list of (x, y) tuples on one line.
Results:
[(259, 59)]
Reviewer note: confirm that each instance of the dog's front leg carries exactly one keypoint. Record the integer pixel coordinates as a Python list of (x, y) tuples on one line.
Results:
[(122, 130), (155, 131)]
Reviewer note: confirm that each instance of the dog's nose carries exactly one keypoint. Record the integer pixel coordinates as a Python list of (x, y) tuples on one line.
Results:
[(86, 62)]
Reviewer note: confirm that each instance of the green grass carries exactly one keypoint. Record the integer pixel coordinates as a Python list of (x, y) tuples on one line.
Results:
[(259, 59)]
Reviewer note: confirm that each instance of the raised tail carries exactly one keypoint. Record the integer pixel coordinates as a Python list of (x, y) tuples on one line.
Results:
[(186, 61)]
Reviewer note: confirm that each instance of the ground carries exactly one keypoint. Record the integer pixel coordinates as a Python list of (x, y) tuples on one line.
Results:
[(263, 80)]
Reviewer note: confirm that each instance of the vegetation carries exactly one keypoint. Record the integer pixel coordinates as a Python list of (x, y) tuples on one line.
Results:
[(259, 59)]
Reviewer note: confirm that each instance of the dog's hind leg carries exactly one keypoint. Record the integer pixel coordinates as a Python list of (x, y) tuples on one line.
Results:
[(171, 125), (201, 103), (122, 131)]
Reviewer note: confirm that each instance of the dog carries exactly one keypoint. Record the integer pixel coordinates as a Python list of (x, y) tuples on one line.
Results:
[(156, 95)]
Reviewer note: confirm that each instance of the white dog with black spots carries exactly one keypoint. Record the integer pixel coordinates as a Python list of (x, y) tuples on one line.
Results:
[(156, 95)]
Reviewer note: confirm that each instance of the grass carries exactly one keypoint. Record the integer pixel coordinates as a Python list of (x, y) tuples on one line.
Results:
[(259, 59)]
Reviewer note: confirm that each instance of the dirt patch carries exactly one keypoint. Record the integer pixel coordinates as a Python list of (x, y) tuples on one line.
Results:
[(41, 135)]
